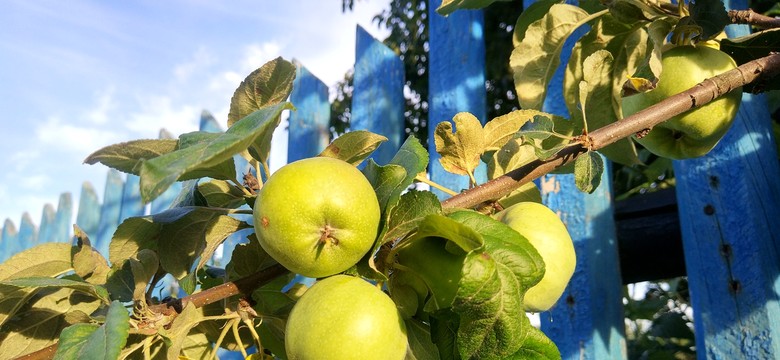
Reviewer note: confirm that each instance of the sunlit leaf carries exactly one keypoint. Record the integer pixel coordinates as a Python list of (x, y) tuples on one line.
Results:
[(460, 150), (449, 6), (128, 156), (588, 169), (159, 173), (87, 341), (354, 146), (535, 59)]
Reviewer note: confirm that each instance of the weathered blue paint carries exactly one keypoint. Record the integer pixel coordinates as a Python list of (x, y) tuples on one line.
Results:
[(88, 216), (63, 220), (456, 78), (8, 239), (587, 323), (377, 98), (28, 234), (46, 228), (109, 211), (132, 205), (729, 206), (309, 130)]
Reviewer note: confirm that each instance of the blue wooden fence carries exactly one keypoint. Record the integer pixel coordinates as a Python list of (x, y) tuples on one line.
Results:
[(728, 201)]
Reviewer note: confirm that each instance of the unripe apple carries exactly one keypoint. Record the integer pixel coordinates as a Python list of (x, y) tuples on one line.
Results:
[(547, 233), (695, 132), (344, 317), (317, 216)]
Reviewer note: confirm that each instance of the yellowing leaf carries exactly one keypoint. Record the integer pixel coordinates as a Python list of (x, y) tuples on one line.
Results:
[(536, 58), (460, 150)]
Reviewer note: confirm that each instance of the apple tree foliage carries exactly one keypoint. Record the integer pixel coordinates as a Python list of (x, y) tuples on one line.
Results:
[(94, 306)]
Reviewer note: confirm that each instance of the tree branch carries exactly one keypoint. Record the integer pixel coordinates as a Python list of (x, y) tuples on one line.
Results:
[(751, 17), (757, 70)]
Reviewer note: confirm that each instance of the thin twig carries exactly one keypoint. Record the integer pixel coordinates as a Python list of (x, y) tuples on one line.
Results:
[(751, 17), (757, 70)]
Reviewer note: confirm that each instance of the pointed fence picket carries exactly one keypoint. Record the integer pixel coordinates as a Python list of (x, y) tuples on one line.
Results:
[(729, 200)]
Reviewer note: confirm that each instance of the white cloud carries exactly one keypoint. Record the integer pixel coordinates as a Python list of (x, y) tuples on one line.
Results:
[(162, 112), (62, 135), (105, 104), (200, 61)]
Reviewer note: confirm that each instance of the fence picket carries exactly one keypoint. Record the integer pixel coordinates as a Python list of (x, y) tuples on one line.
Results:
[(729, 206), (309, 130), (109, 211), (377, 98), (132, 205), (88, 216), (28, 234), (46, 228), (63, 220), (8, 239), (456, 78)]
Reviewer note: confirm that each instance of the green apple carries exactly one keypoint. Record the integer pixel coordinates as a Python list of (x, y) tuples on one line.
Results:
[(317, 216), (344, 317), (547, 233), (695, 132)]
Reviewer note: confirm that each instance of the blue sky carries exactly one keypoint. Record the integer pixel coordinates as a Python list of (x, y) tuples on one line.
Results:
[(79, 75)]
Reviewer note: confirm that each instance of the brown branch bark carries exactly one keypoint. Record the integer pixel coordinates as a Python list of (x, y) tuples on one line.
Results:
[(757, 70), (751, 17)]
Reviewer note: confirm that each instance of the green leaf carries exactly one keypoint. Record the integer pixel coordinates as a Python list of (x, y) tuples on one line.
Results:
[(194, 236), (536, 345), (460, 150), (435, 225), (449, 6), (176, 334), (221, 194), (131, 236), (89, 342), (143, 268), (530, 14), (444, 330), (489, 296), (588, 169), (98, 292), (502, 129), (387, 181), (514, 154), (535, 59), (159, 173), (506, 246), (413, 157), (605, 76), (657, 31), (49, 259), (354, 146), (541, 128), (88, 263), (420, 345), (412, 208), (270, 84), (598, 71), (40, 322), (711, 15), (489, 308), (128, 156), (247, 259), (225, 170)]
